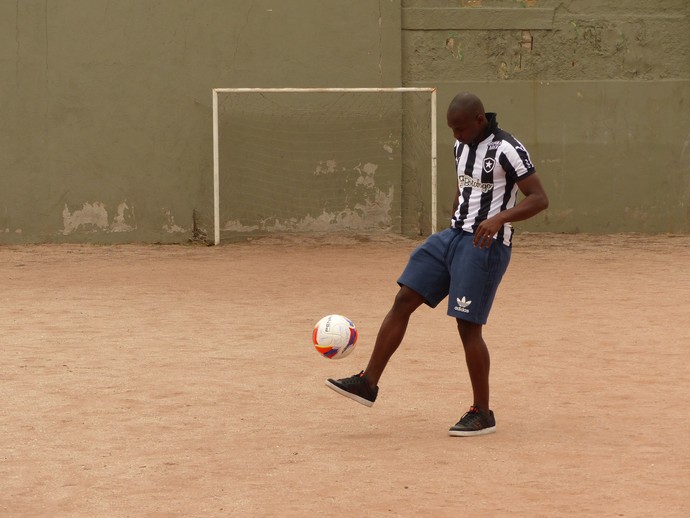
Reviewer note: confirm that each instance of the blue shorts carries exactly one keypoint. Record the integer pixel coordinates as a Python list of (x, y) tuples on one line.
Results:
[(448, 264)]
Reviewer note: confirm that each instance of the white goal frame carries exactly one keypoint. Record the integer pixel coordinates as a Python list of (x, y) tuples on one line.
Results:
[(216, 153)]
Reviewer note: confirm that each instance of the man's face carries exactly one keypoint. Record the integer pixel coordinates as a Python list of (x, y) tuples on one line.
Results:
[(466, 128)]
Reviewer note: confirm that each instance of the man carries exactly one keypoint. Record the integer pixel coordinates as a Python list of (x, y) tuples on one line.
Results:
[(466, 261)]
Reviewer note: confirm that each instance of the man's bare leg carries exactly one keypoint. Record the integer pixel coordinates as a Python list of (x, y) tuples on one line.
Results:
[(391, 332)]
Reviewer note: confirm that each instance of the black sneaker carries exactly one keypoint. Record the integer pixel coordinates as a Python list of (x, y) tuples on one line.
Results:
[(474, 423), (355, 387)]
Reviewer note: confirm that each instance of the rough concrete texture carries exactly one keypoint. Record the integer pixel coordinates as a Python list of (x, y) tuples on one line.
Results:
[(587, 40), (105, 134), (601, 99), (106, 129)]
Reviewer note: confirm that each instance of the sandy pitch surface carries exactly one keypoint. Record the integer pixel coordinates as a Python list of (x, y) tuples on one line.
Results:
[(180, 381)]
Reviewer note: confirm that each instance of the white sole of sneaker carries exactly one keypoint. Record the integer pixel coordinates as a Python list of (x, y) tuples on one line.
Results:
[(345, 393), (485, 431)]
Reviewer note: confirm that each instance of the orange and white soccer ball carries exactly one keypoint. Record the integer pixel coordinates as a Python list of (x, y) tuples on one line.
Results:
[(334, 336)]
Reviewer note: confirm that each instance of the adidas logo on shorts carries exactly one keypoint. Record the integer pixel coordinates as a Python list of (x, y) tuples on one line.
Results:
[(462, 305)]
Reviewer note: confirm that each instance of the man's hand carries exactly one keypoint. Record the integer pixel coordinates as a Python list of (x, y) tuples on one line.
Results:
[(486, 231), (534, 202)]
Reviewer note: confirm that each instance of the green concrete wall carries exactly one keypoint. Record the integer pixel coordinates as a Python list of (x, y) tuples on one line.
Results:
[(105, 105), (105, 126), (598, 91)]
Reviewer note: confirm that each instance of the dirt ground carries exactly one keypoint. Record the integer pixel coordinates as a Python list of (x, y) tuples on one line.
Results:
[(157, 381)]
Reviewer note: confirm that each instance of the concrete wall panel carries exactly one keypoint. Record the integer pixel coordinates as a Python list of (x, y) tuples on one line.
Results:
[(600, 98), (106, 127)]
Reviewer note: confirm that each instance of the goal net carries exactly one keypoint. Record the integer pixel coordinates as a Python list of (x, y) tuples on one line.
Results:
[(359, 160)]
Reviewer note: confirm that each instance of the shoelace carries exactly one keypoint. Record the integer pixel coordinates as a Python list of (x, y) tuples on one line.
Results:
[(356, 379), (472, 416)]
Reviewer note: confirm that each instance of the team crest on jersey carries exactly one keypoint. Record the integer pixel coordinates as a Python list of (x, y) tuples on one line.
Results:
[(489, 164)]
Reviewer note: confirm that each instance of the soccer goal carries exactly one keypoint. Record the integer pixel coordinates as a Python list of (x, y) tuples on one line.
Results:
[(359, 160)]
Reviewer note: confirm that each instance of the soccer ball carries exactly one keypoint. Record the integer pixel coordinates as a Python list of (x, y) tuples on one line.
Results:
[(334, 336)]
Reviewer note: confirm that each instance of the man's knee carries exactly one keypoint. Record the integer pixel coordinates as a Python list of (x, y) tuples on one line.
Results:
[(407, 300), (469, 331)]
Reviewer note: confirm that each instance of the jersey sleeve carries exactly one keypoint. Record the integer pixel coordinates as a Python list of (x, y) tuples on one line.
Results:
[(515, 161)]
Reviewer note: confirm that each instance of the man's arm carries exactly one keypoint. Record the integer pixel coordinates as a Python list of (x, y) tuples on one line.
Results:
[(534, 202), (456, 203)]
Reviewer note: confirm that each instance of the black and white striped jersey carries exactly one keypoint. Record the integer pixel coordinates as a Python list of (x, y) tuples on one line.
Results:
[(487, 178)]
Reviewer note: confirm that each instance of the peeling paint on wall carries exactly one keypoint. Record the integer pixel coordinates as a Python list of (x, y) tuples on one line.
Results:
[(120, 222), (236, 226), (370, 211), (376, 211), (390, 145), (370, 215), (91, 216), (366, 175), (325, 167), (171, 227)]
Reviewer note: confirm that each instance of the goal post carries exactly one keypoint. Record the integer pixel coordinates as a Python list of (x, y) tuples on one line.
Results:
[(266, 121)]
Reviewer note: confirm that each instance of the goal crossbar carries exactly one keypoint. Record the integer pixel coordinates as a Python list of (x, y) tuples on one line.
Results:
[(216, 145)]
